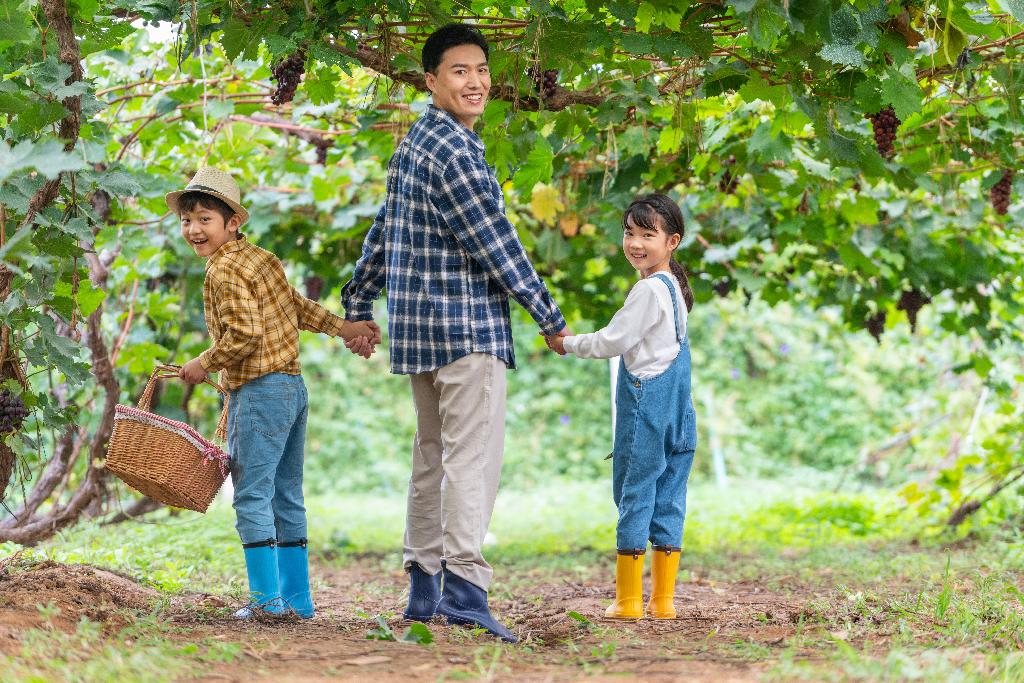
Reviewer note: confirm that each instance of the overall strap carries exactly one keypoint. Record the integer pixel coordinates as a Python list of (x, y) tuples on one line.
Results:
[(675, 305)]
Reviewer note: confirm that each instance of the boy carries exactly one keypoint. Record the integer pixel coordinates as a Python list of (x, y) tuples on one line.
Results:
[(254, 317)]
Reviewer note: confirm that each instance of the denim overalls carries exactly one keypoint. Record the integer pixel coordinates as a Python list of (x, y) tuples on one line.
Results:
[(655, 438)]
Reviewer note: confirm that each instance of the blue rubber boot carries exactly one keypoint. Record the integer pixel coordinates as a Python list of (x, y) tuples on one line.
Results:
[(465, 604), (293, 566), (264, 584), (424, 594)]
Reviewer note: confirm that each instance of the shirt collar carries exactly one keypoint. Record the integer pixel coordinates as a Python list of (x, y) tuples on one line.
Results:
[(227, 248), (441, 116)]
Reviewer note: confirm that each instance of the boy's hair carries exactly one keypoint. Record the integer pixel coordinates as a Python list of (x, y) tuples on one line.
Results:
[(447, 37), (658, 212), (190, 200)]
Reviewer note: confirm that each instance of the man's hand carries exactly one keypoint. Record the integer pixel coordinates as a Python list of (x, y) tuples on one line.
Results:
[(554, 341), (192, 372), (361, 337)]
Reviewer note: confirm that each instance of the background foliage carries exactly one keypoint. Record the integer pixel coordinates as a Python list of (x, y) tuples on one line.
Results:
[(752, 113)]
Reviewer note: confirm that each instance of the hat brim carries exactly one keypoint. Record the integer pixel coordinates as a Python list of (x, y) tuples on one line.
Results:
[(172, 200)]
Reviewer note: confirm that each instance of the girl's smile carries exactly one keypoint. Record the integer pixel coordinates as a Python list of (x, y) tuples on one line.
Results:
[(647, 249)]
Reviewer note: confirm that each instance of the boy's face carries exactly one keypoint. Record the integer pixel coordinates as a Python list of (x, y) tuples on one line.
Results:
[(461, 83), (206, 231)]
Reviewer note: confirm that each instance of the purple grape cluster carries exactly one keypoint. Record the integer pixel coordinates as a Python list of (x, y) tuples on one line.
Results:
[(12, 412), (727, 183), (545, 82), (322, 145), (314, 287), (999, 195), (876, 325), (722, 286), (288, 72), (884, 124), (912, 301)]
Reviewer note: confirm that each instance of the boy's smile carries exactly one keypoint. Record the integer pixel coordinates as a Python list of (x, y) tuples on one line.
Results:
[(205, 230)]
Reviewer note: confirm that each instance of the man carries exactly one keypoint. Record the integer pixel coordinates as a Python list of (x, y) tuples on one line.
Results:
[(450, 260)]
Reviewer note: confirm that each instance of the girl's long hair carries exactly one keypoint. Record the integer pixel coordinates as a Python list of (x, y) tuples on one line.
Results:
[(658, 212)]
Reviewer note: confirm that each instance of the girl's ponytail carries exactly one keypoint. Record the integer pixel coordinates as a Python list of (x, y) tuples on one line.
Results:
[(684, 282)]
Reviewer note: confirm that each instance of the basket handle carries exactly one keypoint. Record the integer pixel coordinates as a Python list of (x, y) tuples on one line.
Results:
[(171, 371)]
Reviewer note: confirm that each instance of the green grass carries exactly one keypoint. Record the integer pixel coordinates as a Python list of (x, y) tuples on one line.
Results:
[(141, 652), (784, 529), (888, 606), (189, 551)]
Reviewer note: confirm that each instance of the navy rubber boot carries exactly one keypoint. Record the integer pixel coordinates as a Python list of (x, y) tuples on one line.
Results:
[(424, 594), (293, 567), (264, 582), (465, 604)]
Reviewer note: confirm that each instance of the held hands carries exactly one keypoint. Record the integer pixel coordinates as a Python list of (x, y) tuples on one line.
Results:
[(361, 337), (555, 341), (192, 372)]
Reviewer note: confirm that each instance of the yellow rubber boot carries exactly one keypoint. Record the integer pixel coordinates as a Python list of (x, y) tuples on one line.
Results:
[(664, 565), (629, 586)]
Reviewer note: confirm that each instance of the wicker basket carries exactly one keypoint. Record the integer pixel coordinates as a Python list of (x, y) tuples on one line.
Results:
[(164, 459)]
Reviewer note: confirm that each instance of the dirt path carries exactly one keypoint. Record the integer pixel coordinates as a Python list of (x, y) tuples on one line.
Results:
[(719, 629)]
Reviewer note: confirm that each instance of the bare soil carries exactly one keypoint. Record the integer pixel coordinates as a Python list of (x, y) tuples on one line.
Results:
[(718, 626), (60, 595)]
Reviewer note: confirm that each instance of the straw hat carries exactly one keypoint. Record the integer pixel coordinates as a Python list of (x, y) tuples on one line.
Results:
[(216, 183)]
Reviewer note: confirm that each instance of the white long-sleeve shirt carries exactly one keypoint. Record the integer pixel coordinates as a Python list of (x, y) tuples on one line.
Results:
[(641, 331)]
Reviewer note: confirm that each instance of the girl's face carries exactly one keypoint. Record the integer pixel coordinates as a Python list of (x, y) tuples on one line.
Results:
[(647, 249)]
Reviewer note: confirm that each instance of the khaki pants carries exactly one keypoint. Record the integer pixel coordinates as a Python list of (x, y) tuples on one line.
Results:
[(456, 465)]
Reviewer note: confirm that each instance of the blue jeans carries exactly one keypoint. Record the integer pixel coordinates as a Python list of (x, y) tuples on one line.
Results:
[(266, 442)]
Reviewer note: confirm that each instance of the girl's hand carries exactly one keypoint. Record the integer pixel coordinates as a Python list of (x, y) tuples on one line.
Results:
[(554, 341)]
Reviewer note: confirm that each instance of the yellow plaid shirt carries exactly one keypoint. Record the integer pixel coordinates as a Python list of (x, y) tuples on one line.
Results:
[(254, 315)]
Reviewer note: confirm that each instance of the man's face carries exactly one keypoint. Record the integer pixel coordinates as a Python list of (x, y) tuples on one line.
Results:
[(461, 83), (206, 231)]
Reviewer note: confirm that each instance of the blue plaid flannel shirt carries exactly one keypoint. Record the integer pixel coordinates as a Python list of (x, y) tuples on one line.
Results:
[(446, 252)]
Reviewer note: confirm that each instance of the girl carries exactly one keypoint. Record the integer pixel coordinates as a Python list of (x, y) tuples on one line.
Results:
[(656, 431)]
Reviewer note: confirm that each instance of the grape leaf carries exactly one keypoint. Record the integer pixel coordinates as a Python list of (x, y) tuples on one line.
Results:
[(903, 93), (545, 203), (842, 53), (49, 158), (1014, 7), (536, 169)]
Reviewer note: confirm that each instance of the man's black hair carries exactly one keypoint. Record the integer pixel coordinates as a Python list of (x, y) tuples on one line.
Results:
[(190, 200), (447, 37)]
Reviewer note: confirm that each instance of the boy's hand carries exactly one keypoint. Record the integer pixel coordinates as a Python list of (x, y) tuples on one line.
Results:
[(192, 372), (363, 328)]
